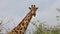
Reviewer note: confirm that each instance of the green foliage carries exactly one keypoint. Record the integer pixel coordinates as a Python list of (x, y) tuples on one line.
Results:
[(43, 29), (58, 9), (58, 17)]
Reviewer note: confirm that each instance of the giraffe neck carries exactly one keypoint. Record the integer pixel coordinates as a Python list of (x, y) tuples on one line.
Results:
[(25, 22), (22, 26)]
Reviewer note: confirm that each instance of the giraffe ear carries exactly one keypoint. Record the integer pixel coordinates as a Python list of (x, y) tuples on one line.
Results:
[(37, 8), (29, 8)]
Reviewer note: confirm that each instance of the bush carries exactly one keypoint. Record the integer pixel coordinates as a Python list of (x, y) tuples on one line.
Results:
[(43, 29)]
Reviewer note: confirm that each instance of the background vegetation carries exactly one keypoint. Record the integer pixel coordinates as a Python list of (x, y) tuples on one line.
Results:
[(43, 28), (46, 29)]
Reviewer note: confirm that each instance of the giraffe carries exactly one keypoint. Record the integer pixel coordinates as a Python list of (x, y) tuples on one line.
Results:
[(22, 26)]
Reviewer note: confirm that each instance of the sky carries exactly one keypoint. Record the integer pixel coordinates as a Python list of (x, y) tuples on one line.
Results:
[(15, 10)]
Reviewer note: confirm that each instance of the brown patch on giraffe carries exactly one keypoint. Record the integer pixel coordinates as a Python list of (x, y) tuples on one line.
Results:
[(16, 28), (16, 31), (26, 22), (19, 32), (22, 24)]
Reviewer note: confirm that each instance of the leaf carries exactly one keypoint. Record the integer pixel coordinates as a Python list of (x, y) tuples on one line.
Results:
[(33, 23), (57, 16), (58, 9)]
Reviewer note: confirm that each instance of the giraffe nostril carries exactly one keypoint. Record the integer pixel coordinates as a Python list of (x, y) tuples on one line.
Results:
[(34, 14)]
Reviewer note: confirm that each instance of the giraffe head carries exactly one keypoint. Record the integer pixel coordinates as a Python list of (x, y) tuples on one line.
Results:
[(33, 10)]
